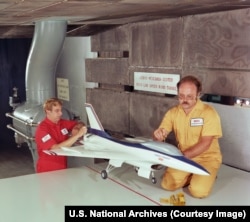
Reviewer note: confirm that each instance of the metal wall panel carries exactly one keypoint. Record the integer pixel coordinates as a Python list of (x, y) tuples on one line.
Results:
[(71, 66), (236, 130)]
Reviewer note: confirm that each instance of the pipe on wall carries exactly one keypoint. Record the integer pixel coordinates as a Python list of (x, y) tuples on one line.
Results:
[(41, 64)]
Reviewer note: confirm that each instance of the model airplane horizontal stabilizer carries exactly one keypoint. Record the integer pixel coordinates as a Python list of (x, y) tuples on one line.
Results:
[(142, 154)]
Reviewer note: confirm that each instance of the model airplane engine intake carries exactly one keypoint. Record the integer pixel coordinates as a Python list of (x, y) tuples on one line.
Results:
[(41, 65)]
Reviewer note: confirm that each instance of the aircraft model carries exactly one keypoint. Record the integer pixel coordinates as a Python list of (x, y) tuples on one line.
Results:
[(142, 154)]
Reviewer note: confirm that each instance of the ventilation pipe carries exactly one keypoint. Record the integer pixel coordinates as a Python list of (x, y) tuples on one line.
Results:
[(41, 66), (42, 61)]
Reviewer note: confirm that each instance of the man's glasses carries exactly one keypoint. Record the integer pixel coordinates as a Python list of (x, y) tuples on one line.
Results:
[(188, 97)]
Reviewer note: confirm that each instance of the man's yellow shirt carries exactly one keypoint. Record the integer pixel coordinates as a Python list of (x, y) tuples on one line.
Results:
[(203, 120)]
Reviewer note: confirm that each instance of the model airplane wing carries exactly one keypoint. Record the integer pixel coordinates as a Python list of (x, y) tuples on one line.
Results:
[(80, 151)]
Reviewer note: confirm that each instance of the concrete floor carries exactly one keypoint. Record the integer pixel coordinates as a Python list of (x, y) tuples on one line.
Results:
[(15, 161)]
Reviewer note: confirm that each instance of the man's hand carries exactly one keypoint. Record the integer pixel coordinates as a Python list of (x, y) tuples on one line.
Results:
[(80, 131), (77, 128), (160, 134)]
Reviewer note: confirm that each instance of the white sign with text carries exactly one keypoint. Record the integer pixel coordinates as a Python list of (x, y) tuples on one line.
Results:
[(62, 88), (156, 82)]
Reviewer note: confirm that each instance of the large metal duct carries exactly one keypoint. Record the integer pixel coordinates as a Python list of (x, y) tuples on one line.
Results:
[(42, 61), (41, 66)]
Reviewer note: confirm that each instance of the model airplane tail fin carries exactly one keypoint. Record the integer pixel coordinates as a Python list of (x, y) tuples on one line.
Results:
[(93, 118), (95, 124)]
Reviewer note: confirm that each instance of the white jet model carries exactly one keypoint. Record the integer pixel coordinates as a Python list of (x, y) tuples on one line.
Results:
[(142, 154)]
